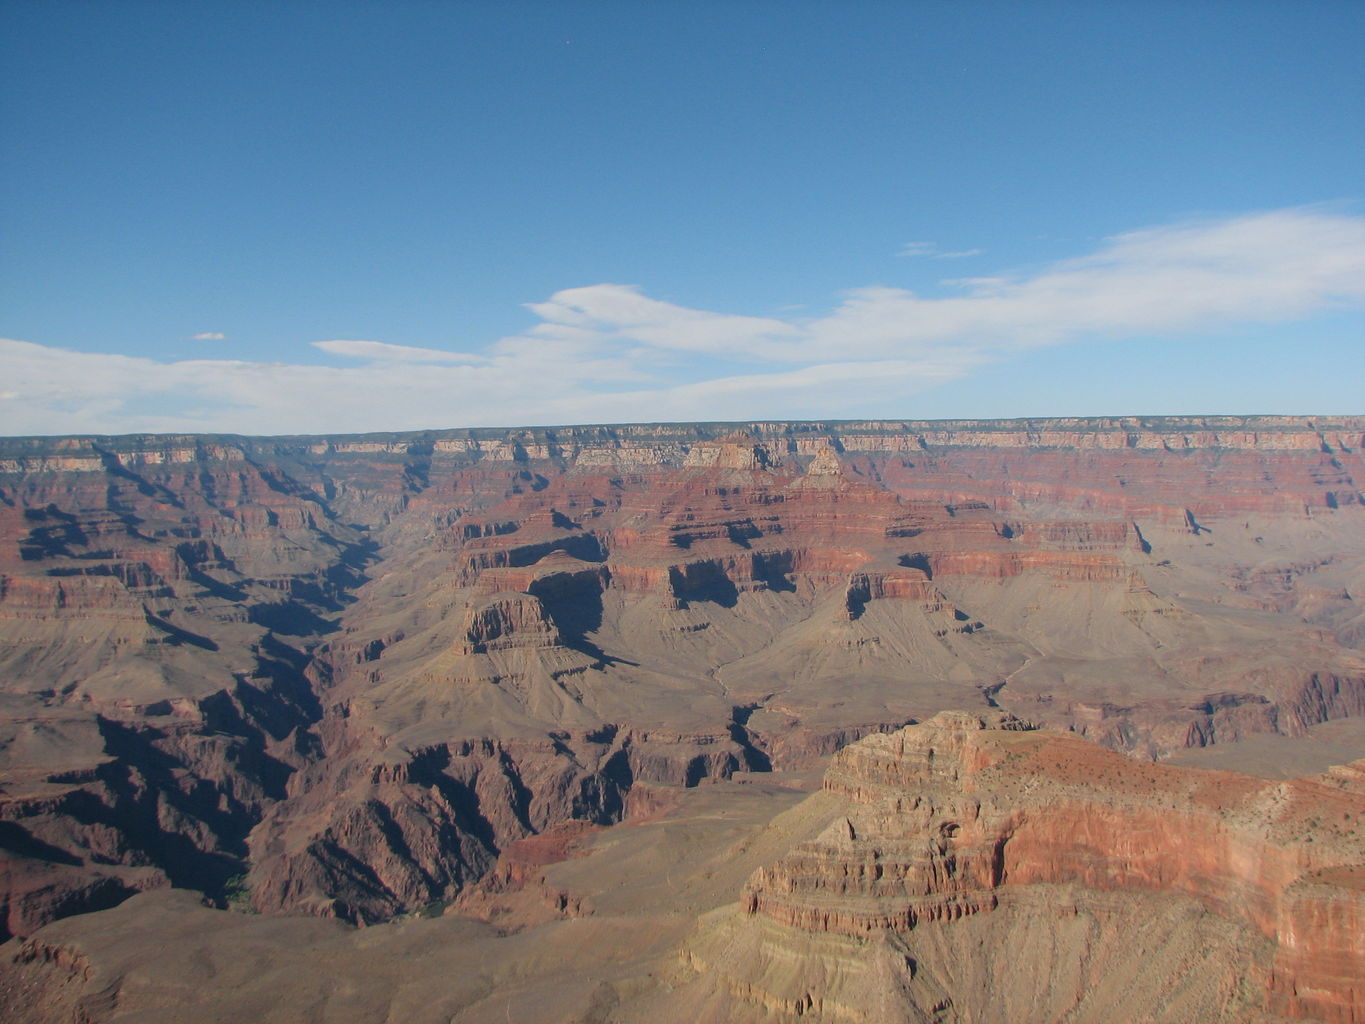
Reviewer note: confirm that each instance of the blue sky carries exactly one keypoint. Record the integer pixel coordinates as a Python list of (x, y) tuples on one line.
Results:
[(309, 217)]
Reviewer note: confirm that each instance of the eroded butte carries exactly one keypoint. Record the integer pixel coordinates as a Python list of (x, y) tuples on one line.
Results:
[(517, 676)]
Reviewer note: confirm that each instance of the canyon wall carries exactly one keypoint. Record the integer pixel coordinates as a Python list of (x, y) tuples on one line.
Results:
[(339, 675)]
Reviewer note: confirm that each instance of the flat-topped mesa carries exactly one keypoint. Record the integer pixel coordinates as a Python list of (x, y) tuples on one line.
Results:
[(904, 584), (506, 621), (1074, 535), (965, 813), (1063, 566), (950, 746), (554, 573)]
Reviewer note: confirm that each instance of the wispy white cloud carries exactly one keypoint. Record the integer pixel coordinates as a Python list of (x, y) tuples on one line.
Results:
[(209, 336), (932, 251), (607, 312), (383, 352), (1185, 277), (609, 352)]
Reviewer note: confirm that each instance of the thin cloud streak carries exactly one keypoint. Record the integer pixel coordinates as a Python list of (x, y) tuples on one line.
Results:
[(383, 352), (611, 353), (932, 251)]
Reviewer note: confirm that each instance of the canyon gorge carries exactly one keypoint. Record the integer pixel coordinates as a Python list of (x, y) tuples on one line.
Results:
[(862, 721)]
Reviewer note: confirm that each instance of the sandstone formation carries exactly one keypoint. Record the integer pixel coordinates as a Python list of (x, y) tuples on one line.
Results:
[(341, 676), (977, 870)]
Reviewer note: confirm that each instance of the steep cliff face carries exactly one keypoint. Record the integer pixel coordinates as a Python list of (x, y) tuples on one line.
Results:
[(977, 870), (155, 666), (351, 670)]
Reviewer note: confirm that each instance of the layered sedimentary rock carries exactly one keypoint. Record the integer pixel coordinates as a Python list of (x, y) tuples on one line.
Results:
[(340, 675), (978, 870)]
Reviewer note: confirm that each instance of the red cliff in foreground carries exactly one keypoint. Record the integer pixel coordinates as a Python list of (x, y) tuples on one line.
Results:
[(977, 870)]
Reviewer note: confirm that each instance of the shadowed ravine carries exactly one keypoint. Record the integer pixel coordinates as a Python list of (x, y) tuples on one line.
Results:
[(353, 677)]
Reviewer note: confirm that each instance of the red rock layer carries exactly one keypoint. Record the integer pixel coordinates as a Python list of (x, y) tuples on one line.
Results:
[(947, 818)]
